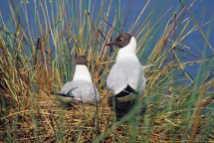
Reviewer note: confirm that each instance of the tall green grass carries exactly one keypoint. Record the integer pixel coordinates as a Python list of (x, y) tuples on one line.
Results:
[(36, 58)]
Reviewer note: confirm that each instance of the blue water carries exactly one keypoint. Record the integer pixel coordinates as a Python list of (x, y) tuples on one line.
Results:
[(202, 12)]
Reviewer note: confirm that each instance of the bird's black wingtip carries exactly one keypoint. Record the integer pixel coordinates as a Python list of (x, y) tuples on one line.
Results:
[(61, 94), (123, 107)]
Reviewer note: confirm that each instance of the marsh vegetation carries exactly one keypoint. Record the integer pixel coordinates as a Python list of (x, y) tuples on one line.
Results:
[(36, 42)]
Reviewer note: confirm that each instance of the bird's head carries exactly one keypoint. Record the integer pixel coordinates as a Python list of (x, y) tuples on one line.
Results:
[(81, 60), (121, 41)]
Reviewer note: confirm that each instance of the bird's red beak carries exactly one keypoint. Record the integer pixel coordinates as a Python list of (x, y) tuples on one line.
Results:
[(110, 44)]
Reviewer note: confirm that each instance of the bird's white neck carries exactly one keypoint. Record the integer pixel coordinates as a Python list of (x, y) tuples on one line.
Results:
[(82, 73), (127, 51)]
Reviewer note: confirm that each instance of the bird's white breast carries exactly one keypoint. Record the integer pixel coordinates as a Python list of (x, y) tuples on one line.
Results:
[(82, 73)]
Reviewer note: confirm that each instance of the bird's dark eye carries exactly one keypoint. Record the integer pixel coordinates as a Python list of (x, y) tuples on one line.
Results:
[(120, 39)]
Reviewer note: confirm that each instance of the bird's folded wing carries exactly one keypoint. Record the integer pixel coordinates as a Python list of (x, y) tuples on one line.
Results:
[(117, 79), (136, 78), (126, 73), (86, 92), (67, 87), (63, 94)]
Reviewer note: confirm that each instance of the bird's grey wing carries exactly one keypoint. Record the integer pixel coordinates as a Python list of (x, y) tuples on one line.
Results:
[(136, 77), (65, 94), (129, 72), (117, 79), (93, 95), (68, 87), (85, 92)]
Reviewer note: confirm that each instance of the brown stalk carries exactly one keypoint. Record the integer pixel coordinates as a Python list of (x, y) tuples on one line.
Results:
[(200, 105)]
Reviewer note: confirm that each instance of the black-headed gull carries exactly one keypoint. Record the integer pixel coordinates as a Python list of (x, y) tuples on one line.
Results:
[(81, 88), (126, 77)]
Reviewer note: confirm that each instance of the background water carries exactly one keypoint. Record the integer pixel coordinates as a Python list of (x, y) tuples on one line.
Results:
[(202, 11)]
